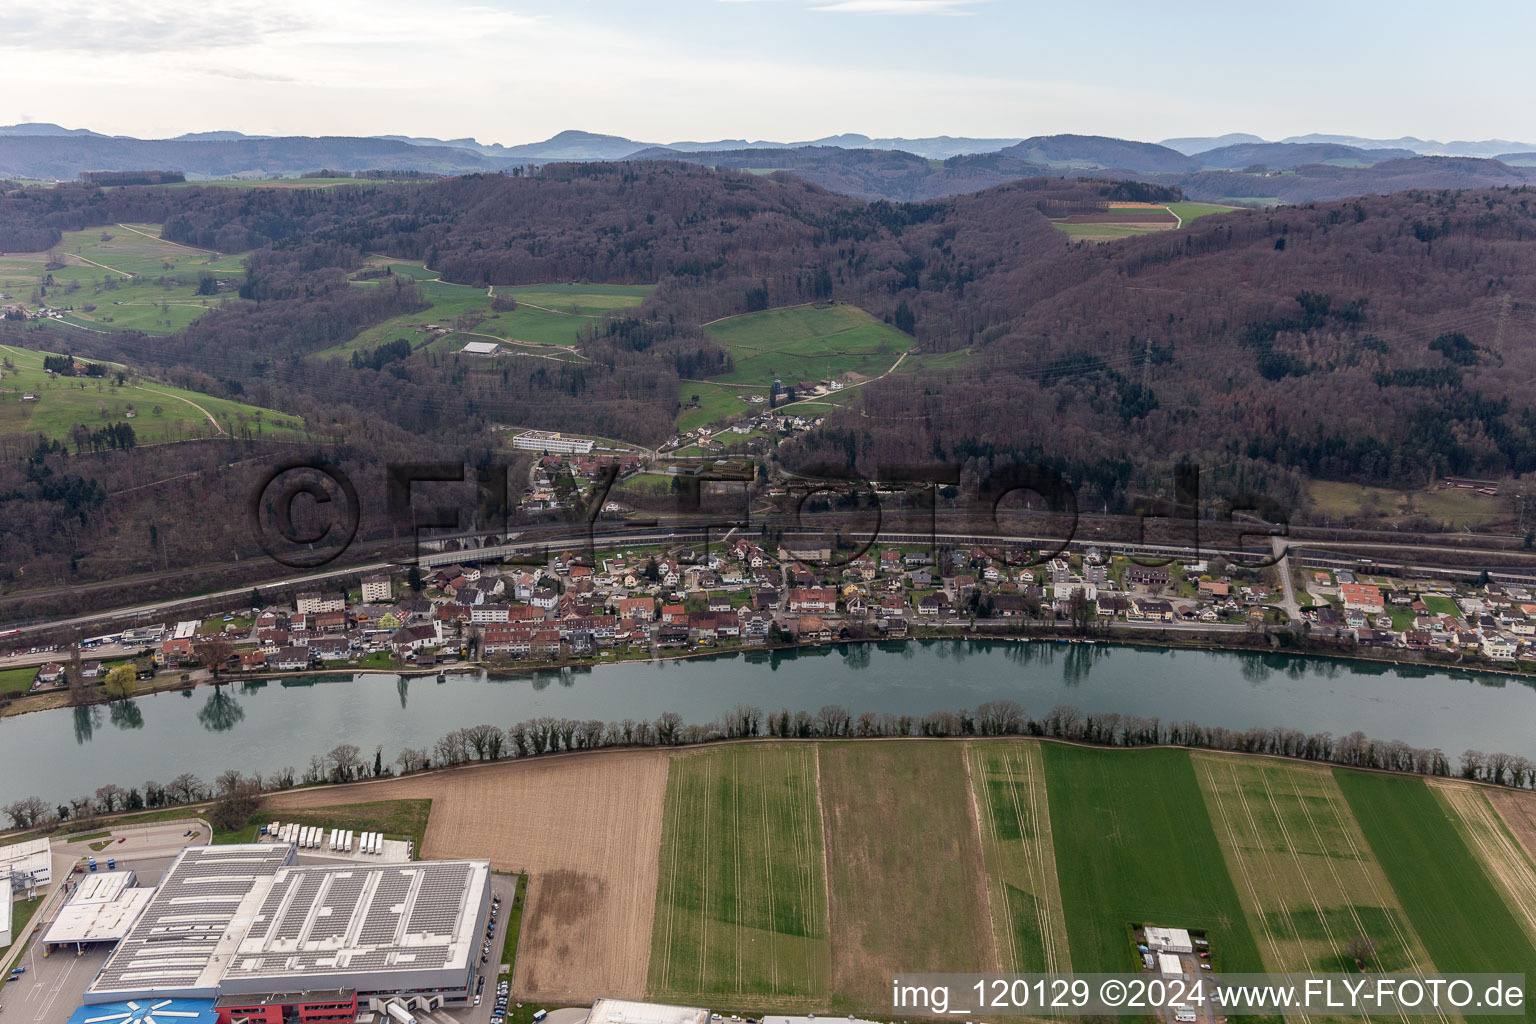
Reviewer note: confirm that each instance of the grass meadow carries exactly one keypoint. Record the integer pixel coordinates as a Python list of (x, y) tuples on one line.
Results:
[(811, 342), (547, 315), (95, 402), (122, 277)]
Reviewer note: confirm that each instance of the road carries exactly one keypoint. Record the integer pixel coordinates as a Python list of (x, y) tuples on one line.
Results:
[(1283, 567)]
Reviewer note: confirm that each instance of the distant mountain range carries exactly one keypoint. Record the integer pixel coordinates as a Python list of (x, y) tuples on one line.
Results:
[(1232, 166)]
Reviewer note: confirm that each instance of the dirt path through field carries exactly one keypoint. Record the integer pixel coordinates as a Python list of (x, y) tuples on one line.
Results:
[(587, 829)]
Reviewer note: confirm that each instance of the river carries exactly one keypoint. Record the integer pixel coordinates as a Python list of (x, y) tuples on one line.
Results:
[(268, 725)]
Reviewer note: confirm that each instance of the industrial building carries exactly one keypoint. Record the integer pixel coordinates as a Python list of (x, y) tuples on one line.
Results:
[(625, 1011), (548, 441), (29, 864), (103, 908), (269, 940), (1169, 940)]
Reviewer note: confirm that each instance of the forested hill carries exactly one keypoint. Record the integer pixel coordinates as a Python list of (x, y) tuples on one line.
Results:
[(1386, 338)]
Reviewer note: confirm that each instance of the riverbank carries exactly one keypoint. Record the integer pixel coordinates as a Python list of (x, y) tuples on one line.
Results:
[(1170, 639), (280, 726)]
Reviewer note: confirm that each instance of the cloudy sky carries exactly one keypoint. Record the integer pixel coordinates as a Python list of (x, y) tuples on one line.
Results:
[(668, 70)]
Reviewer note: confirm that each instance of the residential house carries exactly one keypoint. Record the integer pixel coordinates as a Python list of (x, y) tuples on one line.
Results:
[(813, 599), (414, 638), (636, 607), (377, 590), (1363, 596), (290, 659), (936, 603), (313, 601), (331, 648)]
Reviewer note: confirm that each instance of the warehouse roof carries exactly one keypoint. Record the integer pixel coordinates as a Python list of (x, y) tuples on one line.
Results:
[(362, 918), (624, 1011), (176, 941), (102, 908)]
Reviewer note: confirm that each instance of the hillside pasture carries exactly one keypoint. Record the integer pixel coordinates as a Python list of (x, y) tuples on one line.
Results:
[(905, 870), (807, 343), (122, 277), (716, 402), (546, 315), (1135, 845), (741, 905), (63, 402), (1304, 873)]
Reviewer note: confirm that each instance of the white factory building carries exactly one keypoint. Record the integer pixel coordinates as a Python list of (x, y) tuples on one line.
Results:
[(548, 441), (271, 940)]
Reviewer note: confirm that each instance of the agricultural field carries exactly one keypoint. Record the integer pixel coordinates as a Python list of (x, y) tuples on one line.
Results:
[(811, 342), (741, 903), (1497, 851), (547, 315), (800, 876), (1122, 220), (123, 277), (905, 871), (1028, 922), (1136, 845), (1304, 873), (161, 412), (1462, 918)]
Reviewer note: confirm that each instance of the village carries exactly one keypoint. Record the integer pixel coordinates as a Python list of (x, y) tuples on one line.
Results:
[(664, 601)]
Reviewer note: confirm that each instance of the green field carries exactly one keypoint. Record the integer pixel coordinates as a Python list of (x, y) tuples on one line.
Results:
[(1189, 211), (16, 680), (1135, 845), (810, 342), (741, 900), (547, 314), (1464, 922), (1104, 231), (715, 402), (123, 277), (1451, 506), (162, 412)]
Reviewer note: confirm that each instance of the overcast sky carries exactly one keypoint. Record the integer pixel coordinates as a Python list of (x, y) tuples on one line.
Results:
[(672, 70)]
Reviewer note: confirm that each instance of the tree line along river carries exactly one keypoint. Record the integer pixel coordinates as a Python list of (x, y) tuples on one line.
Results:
[(266, 726)]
